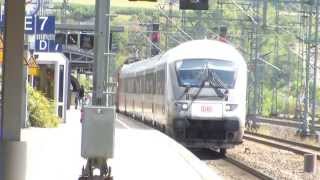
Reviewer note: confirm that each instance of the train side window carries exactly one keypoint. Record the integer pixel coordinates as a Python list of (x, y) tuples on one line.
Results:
[(140, 84), (163, 81), (159, 82), (143, 84), (159, 85), (120, 85), (153, 83), (134, 88), (130, 84), (162, 75), (141, 81), (125, 85), (149, 83), (146, 85), (137, 85)]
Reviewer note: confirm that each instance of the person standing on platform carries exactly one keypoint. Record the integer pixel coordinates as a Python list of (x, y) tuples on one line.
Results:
[(81, 95), (76, 100)]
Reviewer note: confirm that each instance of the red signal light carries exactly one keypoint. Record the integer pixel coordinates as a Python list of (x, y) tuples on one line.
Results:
[(222, 39), (155, 37)]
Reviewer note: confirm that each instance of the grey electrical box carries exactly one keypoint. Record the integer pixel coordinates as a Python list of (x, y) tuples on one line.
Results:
[(97, 140)]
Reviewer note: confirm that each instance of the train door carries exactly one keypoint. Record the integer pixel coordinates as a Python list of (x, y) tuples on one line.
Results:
[(134, 95), (162, 108), (118, 91), (139, 96), (143, 95), (125, 94), (148, 109), (153, 96), (156, 96), (159, 98)]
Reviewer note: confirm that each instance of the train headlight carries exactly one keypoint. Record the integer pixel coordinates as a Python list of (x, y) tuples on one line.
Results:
[(182, 106), (231, 107)]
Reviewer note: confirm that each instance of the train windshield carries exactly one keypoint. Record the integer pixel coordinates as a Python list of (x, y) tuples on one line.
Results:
[(195, 72)]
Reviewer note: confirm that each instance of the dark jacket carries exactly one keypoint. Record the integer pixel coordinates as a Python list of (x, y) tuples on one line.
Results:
[(81, 92)]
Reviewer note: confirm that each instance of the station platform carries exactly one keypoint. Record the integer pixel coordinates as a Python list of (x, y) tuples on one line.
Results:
[(141, 153)]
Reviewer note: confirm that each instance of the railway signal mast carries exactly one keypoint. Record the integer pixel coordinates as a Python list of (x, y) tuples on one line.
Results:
[(315, 66), (155, 39)]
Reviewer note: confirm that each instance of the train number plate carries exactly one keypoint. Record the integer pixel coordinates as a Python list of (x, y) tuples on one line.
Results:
[(206, 110)]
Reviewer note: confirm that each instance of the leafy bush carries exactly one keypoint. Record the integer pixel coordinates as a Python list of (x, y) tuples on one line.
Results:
[(82, 12), (41, 111)]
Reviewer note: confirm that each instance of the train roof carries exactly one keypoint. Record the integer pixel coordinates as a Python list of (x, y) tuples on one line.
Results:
[(204, 49), (196, 49), (140, 65)]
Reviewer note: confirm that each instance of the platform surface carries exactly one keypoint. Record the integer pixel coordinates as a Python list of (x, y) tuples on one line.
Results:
[(141, 153)]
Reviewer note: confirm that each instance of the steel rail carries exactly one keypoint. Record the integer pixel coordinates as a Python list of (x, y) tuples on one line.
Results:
[(283, 122), (307, 146), (270, 141), (248, 169)]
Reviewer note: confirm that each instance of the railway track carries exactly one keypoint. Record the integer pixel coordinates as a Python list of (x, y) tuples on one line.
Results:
[(281, 122), (248, 169), (294, 147), (229, 167)]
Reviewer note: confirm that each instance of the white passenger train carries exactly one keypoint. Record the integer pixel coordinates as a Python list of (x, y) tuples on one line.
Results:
[(195, 92)]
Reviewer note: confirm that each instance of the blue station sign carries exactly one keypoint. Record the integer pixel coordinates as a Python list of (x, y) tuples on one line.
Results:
[(36, 24), (40, 25), (47, 46)]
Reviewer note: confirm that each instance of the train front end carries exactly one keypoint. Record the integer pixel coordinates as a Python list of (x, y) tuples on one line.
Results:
[(210, 101)]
